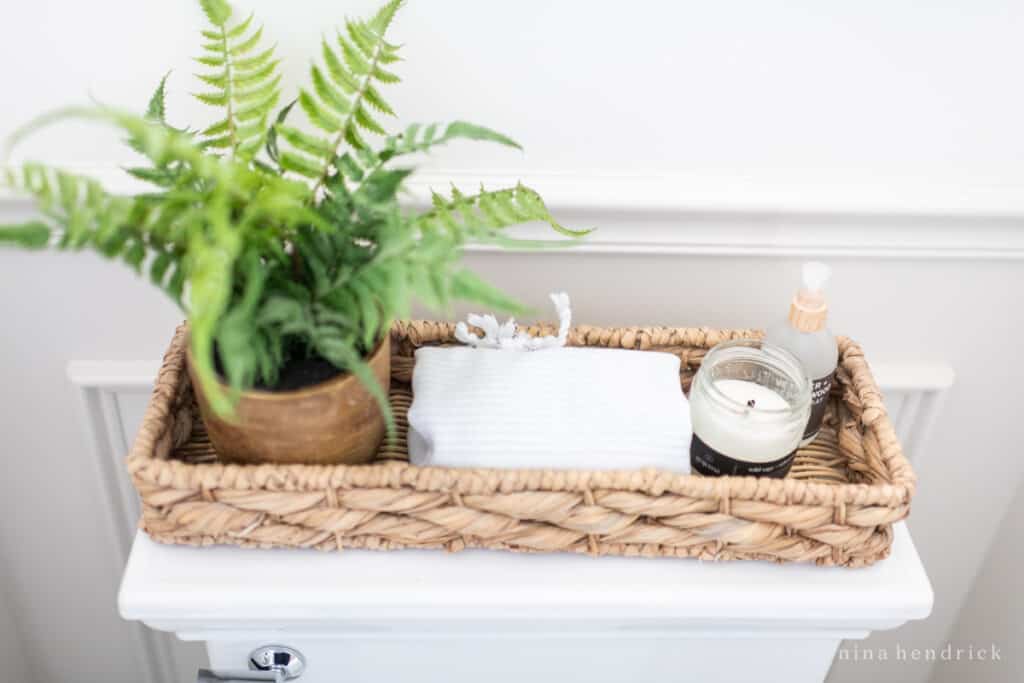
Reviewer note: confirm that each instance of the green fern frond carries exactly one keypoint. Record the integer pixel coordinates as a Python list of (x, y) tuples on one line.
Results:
[(280, 201), (210, 60), (222, 142), (373, 98), (82, 214), (251, 131), (367, 122), (468, 286), (482, 215), (309, 254), (350, 168), (218, 80), (297, 163), (417, 138), (390, 53), (262, 93), (216, 129), (383, 17), (271, 142), (341, 77), (217, 11), (241, 28), (354, 57), (30, 235), (317, 114), (214, 99), (248, 44), (315, 146), (361, 35), (212, 257), (327, 94), (343, 93), (241, 347), (255, 108), (257, 61), (245, 87), (247, 79), (157, 108), (355, 140)]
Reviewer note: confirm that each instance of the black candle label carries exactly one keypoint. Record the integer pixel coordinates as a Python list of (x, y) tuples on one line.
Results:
[(820, 389), (707, 461)]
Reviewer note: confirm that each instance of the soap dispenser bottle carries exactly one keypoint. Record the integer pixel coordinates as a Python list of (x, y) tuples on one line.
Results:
[(804, 335)]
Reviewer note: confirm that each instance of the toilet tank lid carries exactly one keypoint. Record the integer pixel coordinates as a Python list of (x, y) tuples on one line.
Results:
[(176, 588)]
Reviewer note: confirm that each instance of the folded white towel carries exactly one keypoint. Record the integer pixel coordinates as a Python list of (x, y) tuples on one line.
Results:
[(582, 408)]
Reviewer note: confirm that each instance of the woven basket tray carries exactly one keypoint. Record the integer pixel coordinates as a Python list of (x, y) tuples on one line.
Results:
[(836, 507)]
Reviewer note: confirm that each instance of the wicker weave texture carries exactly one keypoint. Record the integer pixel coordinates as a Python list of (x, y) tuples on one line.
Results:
[(836, 507)]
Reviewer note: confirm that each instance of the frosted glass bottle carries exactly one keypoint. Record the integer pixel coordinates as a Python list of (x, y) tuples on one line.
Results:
[(805, 335)]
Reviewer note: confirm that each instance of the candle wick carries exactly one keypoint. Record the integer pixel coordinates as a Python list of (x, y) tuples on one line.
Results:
[(751, 403)]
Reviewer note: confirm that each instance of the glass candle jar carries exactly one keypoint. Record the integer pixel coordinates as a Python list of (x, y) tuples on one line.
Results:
[(749, 404)]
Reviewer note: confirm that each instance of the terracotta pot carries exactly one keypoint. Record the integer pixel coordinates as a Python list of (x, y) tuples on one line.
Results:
[(334, 422)]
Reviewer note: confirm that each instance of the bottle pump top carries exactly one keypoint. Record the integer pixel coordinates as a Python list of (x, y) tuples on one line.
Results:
[(808, 311)]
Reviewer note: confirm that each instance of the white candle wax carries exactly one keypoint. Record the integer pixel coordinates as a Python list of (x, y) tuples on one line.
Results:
[(746, 434)]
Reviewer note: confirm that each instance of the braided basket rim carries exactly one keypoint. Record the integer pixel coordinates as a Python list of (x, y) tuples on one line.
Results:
[(154, 437)]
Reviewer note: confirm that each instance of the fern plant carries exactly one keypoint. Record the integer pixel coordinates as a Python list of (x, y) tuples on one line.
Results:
[(279, 242), (244, 82)]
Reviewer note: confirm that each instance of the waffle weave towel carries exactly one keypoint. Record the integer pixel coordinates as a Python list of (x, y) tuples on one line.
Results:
[(581, 408)]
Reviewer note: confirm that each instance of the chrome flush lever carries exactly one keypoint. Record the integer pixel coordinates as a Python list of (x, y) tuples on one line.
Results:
[(275, 663), (207, 676)]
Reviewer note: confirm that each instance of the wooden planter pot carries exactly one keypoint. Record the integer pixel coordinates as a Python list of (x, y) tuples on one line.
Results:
[(334, 422)]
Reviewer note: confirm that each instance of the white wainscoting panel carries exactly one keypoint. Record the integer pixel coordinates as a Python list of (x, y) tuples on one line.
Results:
[(914, 396), (114, 396)]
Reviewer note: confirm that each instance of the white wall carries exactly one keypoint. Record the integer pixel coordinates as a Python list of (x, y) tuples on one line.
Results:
[(991, 616), (713, 144), (17, 666)]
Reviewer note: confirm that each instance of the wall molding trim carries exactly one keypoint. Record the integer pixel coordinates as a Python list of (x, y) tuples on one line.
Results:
[(789, 237), (102, 387), (662, 214)]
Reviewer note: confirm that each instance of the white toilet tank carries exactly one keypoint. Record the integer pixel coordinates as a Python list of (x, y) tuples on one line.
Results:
[(389, 617)]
